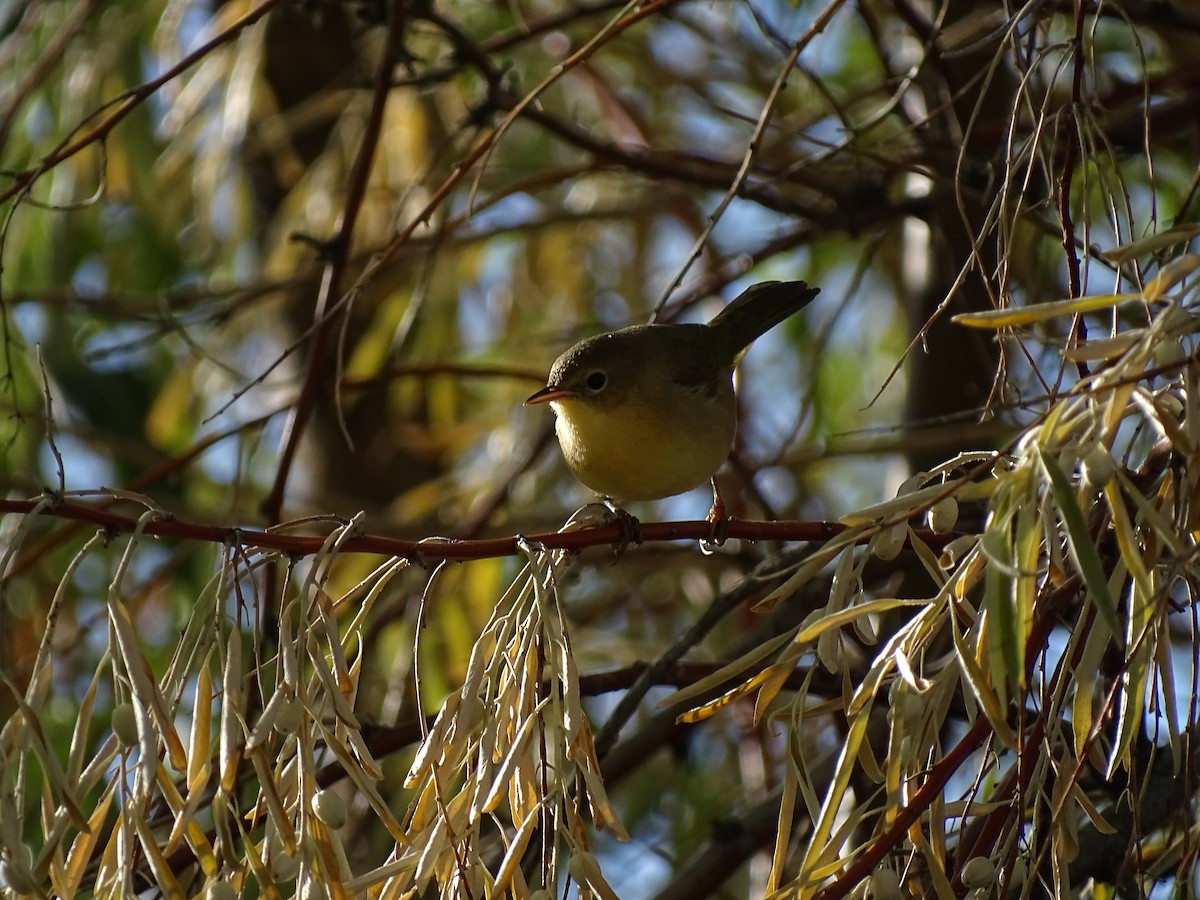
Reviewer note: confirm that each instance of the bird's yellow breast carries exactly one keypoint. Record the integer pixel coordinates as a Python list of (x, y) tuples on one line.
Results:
[(637, 451)]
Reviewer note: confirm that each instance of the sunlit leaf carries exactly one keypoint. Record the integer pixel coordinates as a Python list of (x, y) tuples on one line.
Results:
[(1006, 318), (1167, 237)]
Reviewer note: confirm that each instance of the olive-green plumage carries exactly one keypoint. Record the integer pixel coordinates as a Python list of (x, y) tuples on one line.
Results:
[(649, 411)]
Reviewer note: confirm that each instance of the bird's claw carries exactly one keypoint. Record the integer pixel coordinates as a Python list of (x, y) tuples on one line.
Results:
[(631, 528), (718, 523)]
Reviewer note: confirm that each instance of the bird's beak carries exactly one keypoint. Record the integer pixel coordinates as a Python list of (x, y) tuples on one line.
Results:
[(549, 394)]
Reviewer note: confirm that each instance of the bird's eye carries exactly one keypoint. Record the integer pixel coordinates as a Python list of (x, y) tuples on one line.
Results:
[(596, 381)]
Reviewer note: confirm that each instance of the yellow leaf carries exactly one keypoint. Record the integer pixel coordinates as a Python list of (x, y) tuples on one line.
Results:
[(1024, 315)]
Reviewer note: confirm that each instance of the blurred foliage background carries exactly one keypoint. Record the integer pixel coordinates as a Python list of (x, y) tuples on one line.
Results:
[(296, 263)]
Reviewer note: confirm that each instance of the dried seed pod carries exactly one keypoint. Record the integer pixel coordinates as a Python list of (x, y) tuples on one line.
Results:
[(943, 515), (979, 872), (329, 807), (124, 724)]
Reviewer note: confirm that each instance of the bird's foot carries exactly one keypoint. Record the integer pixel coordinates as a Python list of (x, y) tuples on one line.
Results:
[(718, 523), (631, 528)]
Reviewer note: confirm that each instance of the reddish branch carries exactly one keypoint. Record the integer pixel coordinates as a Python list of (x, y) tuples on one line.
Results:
[(337, 253), (167, 525), (1070, 156)]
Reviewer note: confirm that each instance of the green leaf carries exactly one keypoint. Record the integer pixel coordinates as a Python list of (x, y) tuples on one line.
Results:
[(1079, 542)]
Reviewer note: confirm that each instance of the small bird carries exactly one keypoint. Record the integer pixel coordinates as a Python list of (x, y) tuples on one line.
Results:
[(649, 411)]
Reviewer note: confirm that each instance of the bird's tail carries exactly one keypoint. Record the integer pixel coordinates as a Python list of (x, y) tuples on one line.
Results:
[(757, 310)]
